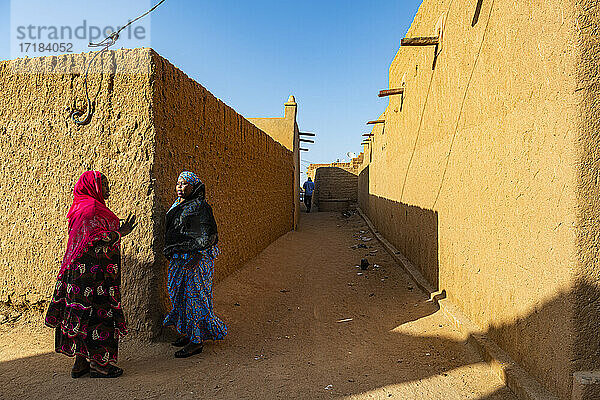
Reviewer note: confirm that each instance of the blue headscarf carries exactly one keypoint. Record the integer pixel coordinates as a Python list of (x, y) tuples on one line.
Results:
[(188, 177)]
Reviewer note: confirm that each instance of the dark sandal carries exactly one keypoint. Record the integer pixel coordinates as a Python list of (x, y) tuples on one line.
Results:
[(112, 372), (182, 341), (80, 373), (185, 353)]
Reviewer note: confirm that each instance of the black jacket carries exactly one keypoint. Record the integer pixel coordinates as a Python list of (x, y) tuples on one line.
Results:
[(190, 226)]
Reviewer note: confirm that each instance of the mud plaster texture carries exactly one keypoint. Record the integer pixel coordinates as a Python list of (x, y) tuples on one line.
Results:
[(587, 274), (485, 174), (335, 183), (285, 131), (151, 122)]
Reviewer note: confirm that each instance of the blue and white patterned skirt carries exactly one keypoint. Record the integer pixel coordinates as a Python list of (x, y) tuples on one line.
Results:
[(190, 291)]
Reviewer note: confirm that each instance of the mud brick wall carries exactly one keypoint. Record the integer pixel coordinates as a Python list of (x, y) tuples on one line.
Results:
[(285, 131), (143, 133), (248, 175), (335, 183), (43, 154), (586, 354), (485, 174)]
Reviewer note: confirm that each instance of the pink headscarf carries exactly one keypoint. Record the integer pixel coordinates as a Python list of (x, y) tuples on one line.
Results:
[(89, 218)]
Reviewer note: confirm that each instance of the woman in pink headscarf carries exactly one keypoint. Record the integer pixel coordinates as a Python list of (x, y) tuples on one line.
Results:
[(86, 306)]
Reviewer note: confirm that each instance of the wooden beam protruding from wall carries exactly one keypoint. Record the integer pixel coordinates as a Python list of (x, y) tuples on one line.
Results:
[(307, 141), (421, 41), (391, 92), (377, 121), (306, 134)]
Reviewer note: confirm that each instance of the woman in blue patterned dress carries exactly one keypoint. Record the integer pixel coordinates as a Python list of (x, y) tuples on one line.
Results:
[(191, 248)]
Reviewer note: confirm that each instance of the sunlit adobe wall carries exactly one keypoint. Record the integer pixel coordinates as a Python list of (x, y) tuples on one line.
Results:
[(151, 122), (485, 173)]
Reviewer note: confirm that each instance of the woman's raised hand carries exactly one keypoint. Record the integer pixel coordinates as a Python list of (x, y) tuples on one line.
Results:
[(127, 226)]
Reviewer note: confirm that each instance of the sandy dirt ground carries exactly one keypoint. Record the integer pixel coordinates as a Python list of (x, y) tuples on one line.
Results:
[(304, 323)]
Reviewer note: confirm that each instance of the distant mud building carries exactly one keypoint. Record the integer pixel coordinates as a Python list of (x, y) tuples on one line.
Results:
[(336, 184), (353, 166)]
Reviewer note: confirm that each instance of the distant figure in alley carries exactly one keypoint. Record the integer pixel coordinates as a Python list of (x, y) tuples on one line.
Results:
[(85, 310), (191, 248), (309, 188)]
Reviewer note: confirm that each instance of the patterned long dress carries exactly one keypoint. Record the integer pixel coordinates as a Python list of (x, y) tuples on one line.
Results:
[(85, 309), (190, 291)]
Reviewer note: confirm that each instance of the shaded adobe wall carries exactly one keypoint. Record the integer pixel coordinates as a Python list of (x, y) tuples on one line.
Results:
[(335, 183), (474, 176), (43, 154), (248, 175)]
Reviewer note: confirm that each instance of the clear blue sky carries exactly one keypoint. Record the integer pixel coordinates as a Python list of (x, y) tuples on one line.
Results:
[(333, 55)]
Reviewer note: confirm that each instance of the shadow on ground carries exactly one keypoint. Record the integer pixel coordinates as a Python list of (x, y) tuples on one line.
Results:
[(285, 340), (555, 339)]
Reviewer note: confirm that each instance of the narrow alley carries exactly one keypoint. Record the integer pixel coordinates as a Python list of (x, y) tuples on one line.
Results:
[(304, 322)]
